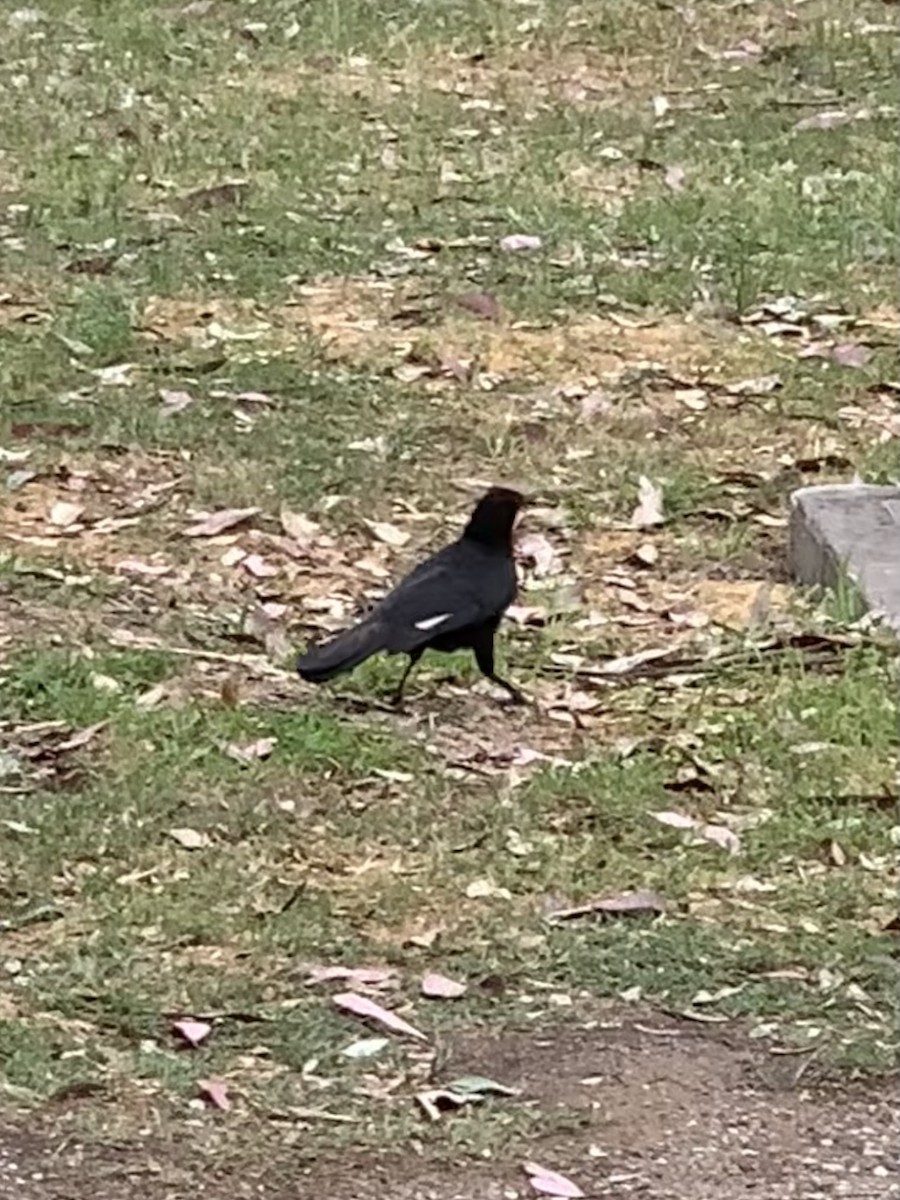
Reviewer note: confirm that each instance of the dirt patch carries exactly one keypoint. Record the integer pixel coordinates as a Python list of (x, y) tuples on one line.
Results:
[(525, 74), (352, 319), (647, 1106), (390, 325)]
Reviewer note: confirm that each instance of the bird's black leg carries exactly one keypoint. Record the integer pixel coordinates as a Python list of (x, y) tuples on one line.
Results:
[(414, 656), (484, 656)]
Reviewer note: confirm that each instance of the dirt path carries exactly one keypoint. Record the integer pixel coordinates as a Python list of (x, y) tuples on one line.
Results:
[(652, 1108)]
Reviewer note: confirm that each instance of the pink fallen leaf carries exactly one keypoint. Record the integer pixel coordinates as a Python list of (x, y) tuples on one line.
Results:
[(218, 522), (361, 1006), (481, 304), (674, 179), (257, 566), (261, 748), (191, 1031), (439, 987), (358, 976), (215, 1093), (514, 242), (849, 354), (551, 1183)]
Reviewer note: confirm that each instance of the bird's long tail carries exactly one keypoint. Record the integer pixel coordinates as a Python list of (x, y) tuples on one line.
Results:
[(342, 653)]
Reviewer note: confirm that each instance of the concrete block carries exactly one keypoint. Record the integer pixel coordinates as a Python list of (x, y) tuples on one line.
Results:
[(849, 530)]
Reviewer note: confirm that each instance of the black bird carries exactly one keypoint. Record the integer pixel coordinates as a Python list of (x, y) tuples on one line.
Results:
[(452, 601)]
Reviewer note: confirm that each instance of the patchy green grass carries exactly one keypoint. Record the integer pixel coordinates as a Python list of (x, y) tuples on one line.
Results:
[(279, 219)]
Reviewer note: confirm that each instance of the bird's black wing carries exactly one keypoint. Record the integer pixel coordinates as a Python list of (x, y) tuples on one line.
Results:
[(460, 586)]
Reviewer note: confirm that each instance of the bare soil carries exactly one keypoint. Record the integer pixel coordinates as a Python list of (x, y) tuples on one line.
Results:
[(652, 1107)]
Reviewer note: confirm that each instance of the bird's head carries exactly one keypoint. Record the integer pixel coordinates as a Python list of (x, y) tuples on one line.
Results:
[(494, 517)]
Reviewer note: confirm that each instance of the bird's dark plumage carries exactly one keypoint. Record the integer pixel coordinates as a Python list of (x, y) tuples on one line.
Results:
[(452, 601)]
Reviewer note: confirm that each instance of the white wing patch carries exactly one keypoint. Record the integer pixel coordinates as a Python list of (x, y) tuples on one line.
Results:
[(432, 622)]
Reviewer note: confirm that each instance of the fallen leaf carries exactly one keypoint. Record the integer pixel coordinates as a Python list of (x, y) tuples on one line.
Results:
[(152, 697), (550, 1183), (261, 748), (190, 839), (256, 565), (115, 375), (214, 1092), (298, 526), (217, 522), (850, 354), (435, 1101), (719, 835), (483, 889), (18, 479), (628, 663), (618, 905), (133, 566), (696, 399), (647, 555), (191, 1031), (534, 547), (744, 50), (480, 1085), (175, 401), (830, 119), (79, 738), (64, 513), (387, 533), (649, 509), (762, 385), (520, 241), (369, 445), (358, 976), (365, 1047), (439, 987), (674, 179), (722, 993), (481, 304), (361, 1006)]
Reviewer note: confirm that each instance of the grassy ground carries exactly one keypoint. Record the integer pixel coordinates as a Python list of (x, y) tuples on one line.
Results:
[(251, 258)]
